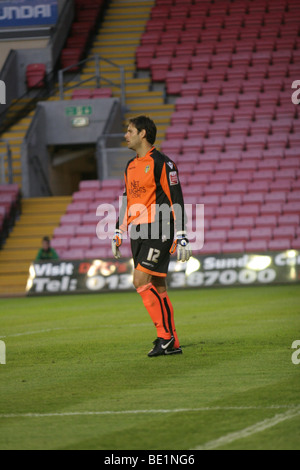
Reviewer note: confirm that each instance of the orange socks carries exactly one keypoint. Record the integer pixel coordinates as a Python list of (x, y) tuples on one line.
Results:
[(161, 312), (170, 315)]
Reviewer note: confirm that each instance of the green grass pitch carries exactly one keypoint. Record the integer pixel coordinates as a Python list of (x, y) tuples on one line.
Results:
[(77, 375)]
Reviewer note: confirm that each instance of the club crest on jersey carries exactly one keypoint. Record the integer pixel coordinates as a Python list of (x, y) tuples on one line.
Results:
[(173, 178), (147, 169)]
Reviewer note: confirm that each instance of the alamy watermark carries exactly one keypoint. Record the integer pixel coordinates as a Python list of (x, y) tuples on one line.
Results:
[(2, 352), (193, 217), (296, 354), (2, 92), (296, 94)]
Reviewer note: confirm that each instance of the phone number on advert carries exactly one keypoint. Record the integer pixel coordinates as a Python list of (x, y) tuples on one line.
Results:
[(197, 279)]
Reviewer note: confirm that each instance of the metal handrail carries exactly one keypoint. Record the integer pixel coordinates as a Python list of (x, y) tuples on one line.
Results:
[(98, 77), (102, 152), (9, 164)]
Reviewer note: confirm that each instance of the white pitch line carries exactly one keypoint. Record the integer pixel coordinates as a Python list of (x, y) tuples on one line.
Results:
[(28, 333), (135, 412), (50, 330), (251, 430)]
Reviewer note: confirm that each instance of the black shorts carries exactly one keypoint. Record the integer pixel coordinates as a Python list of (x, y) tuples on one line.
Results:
[(152, 254)]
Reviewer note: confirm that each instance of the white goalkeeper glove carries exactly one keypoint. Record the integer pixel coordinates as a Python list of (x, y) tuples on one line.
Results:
[(116, 243), (182, 244)]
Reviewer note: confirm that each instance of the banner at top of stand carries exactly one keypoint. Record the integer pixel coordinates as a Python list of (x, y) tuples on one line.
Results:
[(28, 13)]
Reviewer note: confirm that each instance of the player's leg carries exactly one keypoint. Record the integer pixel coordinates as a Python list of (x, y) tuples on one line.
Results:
[(153, 303), (161, 286), (151, 259)]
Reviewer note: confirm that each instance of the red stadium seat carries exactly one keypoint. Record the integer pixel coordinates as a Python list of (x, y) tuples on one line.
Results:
[(89, 185), (280, 233), (266, 221), (222, 223), (35, 75), (216, 236), (264, 233), (71, 219), (73, 254), (256, 246), (243, 222), (65, 231), (80, 243), (278, 245), (238, 235), (211, 248), (60, 244), (83, 196), (77, 208), (233, 247)]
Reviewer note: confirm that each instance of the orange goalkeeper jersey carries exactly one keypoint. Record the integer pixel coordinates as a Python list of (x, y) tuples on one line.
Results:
[(152, 192)]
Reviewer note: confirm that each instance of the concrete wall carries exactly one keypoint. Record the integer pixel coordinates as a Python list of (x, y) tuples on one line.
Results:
[(52, 126), (7, 46)]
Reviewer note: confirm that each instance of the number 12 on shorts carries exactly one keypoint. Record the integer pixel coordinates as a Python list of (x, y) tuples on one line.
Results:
[(153, 255)]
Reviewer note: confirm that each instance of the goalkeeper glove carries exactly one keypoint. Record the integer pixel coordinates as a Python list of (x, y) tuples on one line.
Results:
[(183, 247), (116, 243)]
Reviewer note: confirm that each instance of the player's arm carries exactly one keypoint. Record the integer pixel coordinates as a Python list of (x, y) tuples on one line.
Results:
[(121, 224), (172, 187)]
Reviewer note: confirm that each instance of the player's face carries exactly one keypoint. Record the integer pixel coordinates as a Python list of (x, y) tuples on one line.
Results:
[(133, 137)]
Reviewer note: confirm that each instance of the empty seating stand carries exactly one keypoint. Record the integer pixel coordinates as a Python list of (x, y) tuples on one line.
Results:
[(77, 236), (235, 131), (87, 14)]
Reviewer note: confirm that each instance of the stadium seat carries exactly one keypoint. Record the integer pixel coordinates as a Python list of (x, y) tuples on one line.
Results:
[(296, 244), (216, 236), (85, 231), (268, 221), (256, 246), (264, 233), (35, 75), (291, 208), (60, 245), (226, 211), (96, 253), (279, 245), (73, 254), (101, 93), (90, 185), (77, 208), (71, 219), (280, 233), (82, 196), (80, 243), (65, 231), (245, 222), (221, 223), (238, 235), (211, 248), (233, 247)]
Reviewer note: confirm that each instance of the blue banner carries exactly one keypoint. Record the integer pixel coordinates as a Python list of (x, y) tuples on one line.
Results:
[(28, 13)]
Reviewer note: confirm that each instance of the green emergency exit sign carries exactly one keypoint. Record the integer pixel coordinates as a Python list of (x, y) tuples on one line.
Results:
[(73, 111)]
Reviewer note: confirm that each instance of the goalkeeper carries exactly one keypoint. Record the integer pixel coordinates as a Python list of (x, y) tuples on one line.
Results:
[(151, 186)]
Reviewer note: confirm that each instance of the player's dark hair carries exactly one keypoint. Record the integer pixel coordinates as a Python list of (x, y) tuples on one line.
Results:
[(144, 123)]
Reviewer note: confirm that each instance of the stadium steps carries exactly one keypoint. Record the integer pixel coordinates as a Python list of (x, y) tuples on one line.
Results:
[(40, 216), (15, 136)]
